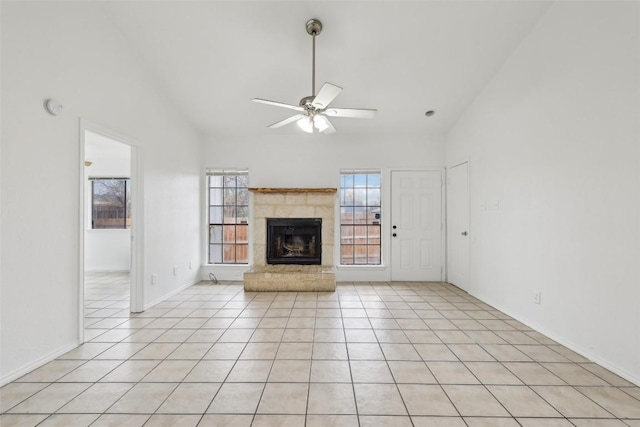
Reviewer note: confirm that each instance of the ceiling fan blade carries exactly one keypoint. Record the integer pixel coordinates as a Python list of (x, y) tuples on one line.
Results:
[(278, 104), (286, 121), (354, 113), (328, 93), (330, 128)]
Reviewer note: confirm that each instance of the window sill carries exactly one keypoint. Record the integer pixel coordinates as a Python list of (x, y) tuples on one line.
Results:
[(226, 265), (361, 267)]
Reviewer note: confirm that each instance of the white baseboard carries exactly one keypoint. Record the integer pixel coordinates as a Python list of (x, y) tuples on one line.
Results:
[(361, 273), (167, 295), (12, 376), (224, 272), (561, 340)]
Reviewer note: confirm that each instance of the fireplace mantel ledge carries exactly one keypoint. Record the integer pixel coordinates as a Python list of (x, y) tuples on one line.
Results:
[(292, 190)]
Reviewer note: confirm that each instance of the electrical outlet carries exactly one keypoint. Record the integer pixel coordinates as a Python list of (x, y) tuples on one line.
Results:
[(154, 279), (537, 297), (175, 270)]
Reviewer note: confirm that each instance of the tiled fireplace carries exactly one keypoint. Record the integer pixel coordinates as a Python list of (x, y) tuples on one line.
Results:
[(299, 261)]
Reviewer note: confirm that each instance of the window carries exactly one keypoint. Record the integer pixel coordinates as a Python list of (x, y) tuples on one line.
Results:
[(110, 203), (360, 218), (228, 217)]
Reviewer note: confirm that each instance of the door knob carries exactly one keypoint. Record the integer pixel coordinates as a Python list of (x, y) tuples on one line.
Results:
[(394, 234), (464, 233)]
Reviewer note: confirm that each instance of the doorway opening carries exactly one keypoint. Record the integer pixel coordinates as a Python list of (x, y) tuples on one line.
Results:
[(109, 199)]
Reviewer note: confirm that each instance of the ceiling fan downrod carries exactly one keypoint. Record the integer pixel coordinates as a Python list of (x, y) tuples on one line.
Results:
[(314, 28)]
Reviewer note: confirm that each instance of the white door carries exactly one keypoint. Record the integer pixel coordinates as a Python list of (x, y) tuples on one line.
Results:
[(416, 225), (458, 226)]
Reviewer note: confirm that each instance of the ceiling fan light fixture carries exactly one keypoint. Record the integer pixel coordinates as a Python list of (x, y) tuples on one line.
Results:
[(306, 124), (321, 123)]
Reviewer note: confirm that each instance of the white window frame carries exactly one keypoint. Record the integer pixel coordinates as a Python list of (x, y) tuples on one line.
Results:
[(366, 206), (209, 224)]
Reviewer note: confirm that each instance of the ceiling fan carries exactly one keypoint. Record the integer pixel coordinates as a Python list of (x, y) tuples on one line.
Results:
[(314, 111)]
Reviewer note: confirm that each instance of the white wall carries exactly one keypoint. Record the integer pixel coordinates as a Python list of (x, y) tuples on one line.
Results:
[(554, 139), (107, 250), (71, 52), (301, 160)]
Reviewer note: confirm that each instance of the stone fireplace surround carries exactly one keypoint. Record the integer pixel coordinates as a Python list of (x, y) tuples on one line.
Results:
[(291, 203)]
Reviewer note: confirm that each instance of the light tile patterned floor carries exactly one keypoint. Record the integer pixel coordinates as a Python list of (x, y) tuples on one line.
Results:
[(370, 354)]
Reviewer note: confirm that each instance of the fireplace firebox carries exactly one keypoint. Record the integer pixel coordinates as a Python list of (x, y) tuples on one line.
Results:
[(294, 241)]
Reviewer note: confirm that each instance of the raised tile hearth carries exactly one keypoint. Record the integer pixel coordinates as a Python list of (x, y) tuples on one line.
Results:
[(290, 278), (270, 203)]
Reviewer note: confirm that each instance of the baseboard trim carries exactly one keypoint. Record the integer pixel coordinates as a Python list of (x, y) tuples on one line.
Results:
[(12, 376), (169, 294), (560, 340)]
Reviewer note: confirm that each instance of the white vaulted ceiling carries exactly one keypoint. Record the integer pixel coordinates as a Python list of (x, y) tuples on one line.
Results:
[(403, 58)]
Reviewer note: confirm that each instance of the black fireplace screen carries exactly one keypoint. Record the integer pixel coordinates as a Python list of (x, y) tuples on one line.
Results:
[(294, 241)]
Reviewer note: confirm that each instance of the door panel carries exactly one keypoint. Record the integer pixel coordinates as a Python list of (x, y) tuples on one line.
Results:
[(416, 213), (406, 211), (426, 218), (426, 250), (405, 253), (458, 226)]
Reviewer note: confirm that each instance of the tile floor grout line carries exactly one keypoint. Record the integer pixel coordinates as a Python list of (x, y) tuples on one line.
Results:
[(353, 385), (400, 301)]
